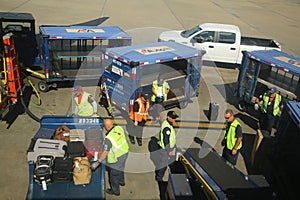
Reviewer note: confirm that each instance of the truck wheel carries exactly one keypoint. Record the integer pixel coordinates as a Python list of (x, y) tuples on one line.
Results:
[(242, 106), (43, 86), (183, 104)]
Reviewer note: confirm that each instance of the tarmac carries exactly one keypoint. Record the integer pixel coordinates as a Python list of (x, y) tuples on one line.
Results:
[(144, 20)]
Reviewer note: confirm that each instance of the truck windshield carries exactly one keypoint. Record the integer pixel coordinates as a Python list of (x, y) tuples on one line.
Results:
[(189, 32)]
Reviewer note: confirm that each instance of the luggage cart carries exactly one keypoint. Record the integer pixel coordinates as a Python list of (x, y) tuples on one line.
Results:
[(70, 53), (67, 190), (265, 69)]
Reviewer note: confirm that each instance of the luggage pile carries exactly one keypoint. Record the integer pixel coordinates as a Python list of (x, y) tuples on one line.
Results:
[(66, 156)]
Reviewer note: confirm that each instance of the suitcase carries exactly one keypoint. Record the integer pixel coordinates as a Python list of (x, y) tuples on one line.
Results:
[(93, 149), (39, 146), (42, 173), (75, 149), (93, 134), (213, 111), (77, 135), (62, 170), (179, 187)]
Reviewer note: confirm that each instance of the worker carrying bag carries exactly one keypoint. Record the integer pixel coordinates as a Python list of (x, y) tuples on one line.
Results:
[(82, 171)]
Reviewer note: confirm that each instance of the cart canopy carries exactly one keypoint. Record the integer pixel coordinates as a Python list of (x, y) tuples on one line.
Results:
[(146, 54), (294, 111), (278, 59), (83, 32)]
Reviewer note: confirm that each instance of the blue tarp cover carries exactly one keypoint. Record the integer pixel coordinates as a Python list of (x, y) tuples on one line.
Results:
[(153, 53), (280, 59), (84, 32)]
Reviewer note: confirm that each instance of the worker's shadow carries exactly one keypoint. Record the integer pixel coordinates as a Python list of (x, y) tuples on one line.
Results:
[(153, 148)]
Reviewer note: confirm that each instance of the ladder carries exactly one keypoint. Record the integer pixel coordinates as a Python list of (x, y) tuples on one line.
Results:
[(11, 68)]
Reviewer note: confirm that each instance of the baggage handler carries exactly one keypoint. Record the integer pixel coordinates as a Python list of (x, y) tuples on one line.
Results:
[(85, 104), (167, 143), (232, 140), (139, 116), (270, 109), (115, 151)]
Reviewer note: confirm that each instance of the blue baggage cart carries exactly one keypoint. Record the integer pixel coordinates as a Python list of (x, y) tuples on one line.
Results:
[(71, 53), (132, 69), (262, 70), (67, 190)]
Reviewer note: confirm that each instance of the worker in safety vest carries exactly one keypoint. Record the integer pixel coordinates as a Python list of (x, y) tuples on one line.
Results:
[(85, 104), (167, 143), (160, 90), (270, 106), (115, 151), (233, 136), (139, 115)]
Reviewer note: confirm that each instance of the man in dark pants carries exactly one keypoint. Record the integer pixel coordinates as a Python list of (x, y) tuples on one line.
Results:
[(139, 116), (167, 143), (115, 149), (233, 136), (270, 109)]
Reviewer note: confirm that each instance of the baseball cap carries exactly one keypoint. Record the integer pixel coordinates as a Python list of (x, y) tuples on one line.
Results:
[(172, 114), (273, 90), (76, 89)]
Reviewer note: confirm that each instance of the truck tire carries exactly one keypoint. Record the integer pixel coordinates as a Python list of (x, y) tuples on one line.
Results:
[(43, 86), (183, 104)]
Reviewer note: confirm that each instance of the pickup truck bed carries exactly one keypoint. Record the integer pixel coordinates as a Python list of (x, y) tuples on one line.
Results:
[(259, 42)]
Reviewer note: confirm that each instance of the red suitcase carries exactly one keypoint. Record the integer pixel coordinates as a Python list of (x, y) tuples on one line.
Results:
[(93, 149)]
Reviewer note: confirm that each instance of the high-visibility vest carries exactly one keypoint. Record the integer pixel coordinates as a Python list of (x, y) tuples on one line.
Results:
[(142, 113), (164, 90), (84, 107), (276, 107), (230, 137), (119, 144), (172, 141)]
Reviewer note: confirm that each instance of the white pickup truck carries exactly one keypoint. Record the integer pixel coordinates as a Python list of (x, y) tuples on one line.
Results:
[(222, 42)]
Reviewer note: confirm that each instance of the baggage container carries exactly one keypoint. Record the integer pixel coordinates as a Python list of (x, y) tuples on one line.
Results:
[(67, 190), (62, 169)]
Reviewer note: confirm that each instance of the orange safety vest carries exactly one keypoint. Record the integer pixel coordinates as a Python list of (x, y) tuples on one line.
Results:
[(142, 113)]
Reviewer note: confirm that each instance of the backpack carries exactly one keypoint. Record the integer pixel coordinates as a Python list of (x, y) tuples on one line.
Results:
[(82, 171)]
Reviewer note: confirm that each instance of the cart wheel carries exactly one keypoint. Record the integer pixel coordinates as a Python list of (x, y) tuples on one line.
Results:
[(43, 86), (183, 104), (242, 106)]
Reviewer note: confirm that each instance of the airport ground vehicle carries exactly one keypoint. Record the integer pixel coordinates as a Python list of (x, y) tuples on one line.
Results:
[(67, 190), (222, 42), (132, 69), (265, 69), (71, 53)]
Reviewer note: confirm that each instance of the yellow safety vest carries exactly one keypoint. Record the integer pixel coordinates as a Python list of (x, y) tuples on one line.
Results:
[(276, 107), (172, 143), (230, 137), (119, 144), (84, 107), (164, 89)]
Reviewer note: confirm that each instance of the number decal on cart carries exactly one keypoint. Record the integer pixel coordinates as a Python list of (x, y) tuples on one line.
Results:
[(88, 120)]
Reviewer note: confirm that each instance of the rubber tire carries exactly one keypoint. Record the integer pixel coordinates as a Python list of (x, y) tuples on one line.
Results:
[(242, 106), (43, 86), (183, 104)]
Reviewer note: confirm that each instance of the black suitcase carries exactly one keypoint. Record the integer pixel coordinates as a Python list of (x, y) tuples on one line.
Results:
[(179, 187), (75, 149), (62, 169), (213, 111), (43, 169), (93, 134)]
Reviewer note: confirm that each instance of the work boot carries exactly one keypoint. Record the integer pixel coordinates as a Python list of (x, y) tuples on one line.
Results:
[(131, 139), (139, 141)]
